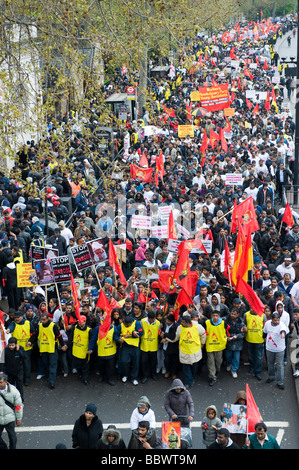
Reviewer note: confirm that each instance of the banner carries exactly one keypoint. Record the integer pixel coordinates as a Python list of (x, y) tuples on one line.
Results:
[(214, 98), (81, 256), (26, 275), (61, 269)]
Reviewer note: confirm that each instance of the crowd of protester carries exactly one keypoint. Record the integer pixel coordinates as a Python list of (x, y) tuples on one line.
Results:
[(259, 145)]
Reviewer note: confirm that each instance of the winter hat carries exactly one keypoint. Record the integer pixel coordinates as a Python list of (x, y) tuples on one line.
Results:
[(91, 407)]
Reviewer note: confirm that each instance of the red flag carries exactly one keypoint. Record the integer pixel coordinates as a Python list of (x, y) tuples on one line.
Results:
[(253, 415), (214, 137), (248, 74), (255, 109), (228, 126), (143, 161), (143, 174), (190, 244), (265, 66), (249, 104), (168, 111), (165, 281), (171, 228), (75, 297), (267, 102), (288, 216), (222, 140), (114, 263), (189, 108), (204, 144), (254, 301), (104, 304), (245, 213), (228, 261), (182, 268), (182, 299)]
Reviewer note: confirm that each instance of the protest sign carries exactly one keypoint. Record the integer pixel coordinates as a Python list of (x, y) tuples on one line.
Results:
[(97, 251), (184, 130), (171, 435), (141, 221), (233, 179), (214, 98), (234, 418), (26, 275), (61, 269), (44, 272), (37, 252), (81, 256)]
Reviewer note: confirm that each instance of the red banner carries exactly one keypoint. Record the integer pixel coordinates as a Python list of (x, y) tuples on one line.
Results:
[(214, 98)]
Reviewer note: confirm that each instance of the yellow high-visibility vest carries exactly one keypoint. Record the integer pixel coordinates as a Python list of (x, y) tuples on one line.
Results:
[(189, 340), (22, 333), (80, 342), (149, 339), (107, 345), (46, 338), (254, 325), (216, 336)]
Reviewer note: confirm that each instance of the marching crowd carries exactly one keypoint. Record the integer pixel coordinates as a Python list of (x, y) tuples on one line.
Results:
[(41, 329)]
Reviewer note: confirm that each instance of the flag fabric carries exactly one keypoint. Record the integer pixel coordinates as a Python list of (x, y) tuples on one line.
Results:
[(255, 109), (165, 281), (204, 144), (248, 103), (223, 140), (114, 263), (288, 216), (104, 304), (182, 299), (190, 244), (245, 213), (228, 261), (182, 269), (143, 161), (253, 415), (171, 228), (214, 137), (169, 111), (254, 301), (243, 261), (143, 174), (75, 297)]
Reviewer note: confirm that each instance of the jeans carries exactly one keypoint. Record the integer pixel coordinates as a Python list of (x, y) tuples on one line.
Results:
[(50, 361), (256, 355), (275, 366), (129, 355), (233, 358), (189, 372)]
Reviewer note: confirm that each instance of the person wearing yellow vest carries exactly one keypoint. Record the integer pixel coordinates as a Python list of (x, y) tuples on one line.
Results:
[(78, 342), (254, 325), (48, 337), (215, 345), (25, 333), (149, 346), (128, 335), (106, 349), (191, 339)]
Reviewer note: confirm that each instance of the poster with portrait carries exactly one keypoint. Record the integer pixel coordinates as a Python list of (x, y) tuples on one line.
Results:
[(44, 272), (234, 418), (171, 435), (37, 253), (97, 251)]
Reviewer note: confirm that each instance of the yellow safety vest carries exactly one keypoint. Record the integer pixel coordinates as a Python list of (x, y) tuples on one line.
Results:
[(46, 338), (216, 337), (80, 342), (254, 325), (124, 330), (189, 340), (22, 333), (107, 345), (149, 339)]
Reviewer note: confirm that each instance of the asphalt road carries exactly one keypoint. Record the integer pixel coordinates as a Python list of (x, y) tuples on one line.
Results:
[(49, 415)]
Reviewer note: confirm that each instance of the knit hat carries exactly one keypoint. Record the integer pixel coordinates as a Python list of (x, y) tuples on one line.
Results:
[(91, 407)]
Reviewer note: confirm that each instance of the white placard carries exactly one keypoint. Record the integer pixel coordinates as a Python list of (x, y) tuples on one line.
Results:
[(183, 231), (173, 245), (141, 221), (159, 231), (233, 179), (207, 244)]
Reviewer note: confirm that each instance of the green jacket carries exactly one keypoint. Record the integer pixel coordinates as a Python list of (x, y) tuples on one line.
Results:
[(271, 443)]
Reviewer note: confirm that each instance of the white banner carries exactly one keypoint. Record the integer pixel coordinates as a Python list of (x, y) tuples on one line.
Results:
[(141, 221)]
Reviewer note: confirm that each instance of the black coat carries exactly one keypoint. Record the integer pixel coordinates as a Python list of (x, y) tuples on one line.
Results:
[(14, 361), (86, 437)]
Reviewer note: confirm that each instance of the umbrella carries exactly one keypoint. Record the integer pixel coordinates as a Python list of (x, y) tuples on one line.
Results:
[(199, 112)]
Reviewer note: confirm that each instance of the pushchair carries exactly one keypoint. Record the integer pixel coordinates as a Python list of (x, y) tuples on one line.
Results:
[(186, 432)]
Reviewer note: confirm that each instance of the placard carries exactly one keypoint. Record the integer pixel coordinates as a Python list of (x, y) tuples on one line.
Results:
[(233, 179), (44, 272), (171, 435), (234, 418), (97, 250), (61, 269), (208, 244), (159, 231), (26, 275), (195, 96), (81, 256), (37, 252), (141, 221), (185, 130)]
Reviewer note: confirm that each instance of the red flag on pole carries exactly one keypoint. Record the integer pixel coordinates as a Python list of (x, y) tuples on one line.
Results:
[(245, 213), (143, 174), (182, 269), (182, 299), (75, 297), (254, 301), (171, 228), (104, 304), (143, 161), (114, 263), (288, 216), (253, 415)]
